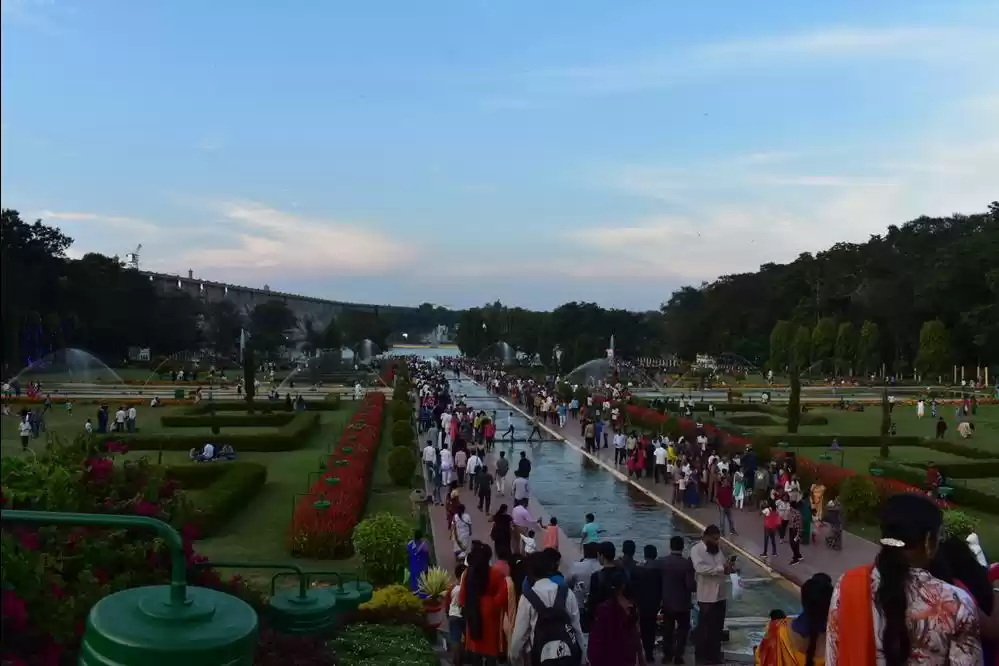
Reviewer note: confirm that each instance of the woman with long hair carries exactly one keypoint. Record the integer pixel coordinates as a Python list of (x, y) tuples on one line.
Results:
[(614, 637), (800, 641), (895, 612), (483, 602)]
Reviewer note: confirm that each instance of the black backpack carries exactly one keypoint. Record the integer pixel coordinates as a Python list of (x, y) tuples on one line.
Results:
[(554, 641)]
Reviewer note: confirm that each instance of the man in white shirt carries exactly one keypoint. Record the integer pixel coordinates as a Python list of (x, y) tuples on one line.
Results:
[(119, 420), (659, 454), (429, 458), (130, 418), (24, 429), (711, 569), (619, 454), (471, 467), (208, 452)]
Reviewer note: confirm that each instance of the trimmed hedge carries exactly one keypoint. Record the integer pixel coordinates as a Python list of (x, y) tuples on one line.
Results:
[(229, 420), (977, 469), (235, 483), (330, 404), (752, 419), (807, 418), (403, 434), (287, 438), (962, 495)]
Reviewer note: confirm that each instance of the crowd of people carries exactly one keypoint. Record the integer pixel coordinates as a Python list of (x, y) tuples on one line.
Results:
[(927, 599)]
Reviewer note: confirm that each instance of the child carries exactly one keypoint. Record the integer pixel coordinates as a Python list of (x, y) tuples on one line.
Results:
[(550, 539), (88, 427), (456, 619), (527, 541), (69, 406)]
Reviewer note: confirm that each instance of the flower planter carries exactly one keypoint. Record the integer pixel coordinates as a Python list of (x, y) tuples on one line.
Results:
[(434, 609)]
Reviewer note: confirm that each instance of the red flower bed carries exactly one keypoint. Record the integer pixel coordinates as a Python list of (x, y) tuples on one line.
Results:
[(321, 531)]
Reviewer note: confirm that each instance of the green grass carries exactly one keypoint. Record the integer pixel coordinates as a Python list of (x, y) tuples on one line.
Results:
[(859, 458), (67, 426), (868, 422)]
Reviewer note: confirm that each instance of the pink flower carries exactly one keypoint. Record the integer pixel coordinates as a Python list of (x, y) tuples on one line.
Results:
[(99, 469), (28, 540), (57, 591), (50, 655), (15, 610), (145, 508)]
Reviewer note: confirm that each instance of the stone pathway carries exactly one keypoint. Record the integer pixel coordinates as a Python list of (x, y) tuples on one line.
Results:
[(749, 523)]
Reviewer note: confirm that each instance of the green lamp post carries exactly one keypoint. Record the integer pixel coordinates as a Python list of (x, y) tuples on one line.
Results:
[(159, 625)]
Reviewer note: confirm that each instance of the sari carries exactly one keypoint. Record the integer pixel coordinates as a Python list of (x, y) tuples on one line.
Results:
[(850, 634), (418, 554), (510, 612), (777, 649)]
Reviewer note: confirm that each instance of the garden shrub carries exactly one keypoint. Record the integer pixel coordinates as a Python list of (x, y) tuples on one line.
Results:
[(286, 438), (959, 524), (330, 404), (383, 645), (219, 502), (228, 420), (403, 433), (860, 497), (401, 410), (393, 598), (752, 419), (381, 543), (973, 469), (961, 495), (402, 465)]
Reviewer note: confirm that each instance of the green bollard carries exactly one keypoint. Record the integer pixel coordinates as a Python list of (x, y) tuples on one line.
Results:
[(349, 594), (159, 625)]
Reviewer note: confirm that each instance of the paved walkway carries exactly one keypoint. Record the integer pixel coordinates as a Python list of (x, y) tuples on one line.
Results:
[(444, 546), (749, 523)]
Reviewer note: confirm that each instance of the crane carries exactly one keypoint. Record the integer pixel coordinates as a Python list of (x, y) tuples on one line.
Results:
[(132, 258)]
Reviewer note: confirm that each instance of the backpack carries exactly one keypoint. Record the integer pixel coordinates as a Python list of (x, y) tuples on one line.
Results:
[(554, 641)]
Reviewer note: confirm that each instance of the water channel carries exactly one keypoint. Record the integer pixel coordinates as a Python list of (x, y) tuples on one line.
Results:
[(569, 485)]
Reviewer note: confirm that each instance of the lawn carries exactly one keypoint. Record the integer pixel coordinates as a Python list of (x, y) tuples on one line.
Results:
[(868, 422), (67, 426)]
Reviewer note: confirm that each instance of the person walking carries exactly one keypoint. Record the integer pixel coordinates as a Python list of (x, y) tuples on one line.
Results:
[(794, 532), (484, 488), (647, 587), (502, 469), (711, 570), (614, 635), (725, 500), (678, 585)]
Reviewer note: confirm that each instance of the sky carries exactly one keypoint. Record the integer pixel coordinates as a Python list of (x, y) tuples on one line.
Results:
[(463, 151)]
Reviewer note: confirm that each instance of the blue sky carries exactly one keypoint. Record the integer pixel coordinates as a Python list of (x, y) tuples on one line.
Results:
[(462, 151)]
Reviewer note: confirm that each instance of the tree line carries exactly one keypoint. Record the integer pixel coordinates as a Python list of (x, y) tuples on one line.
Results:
[(50, 302), (919, 298)]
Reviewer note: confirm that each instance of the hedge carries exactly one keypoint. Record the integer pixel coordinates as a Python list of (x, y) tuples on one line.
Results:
[(229, 420), (973, 469), (329, 404), (235, 484), (287, 438), (961, 495), (752, 419), (807, 418)]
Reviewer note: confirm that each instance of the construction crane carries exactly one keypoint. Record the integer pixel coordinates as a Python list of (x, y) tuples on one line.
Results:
[(132, 258)]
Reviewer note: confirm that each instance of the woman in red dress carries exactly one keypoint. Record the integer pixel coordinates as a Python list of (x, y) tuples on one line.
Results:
[(484, 598)]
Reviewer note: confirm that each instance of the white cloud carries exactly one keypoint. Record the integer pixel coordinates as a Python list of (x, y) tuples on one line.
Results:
[(117, 222), (735, 216), (697, 63), (261, 238)]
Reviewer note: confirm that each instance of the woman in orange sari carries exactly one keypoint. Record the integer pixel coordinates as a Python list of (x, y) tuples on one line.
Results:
[(800, 641), (484, 598), (920, 620)]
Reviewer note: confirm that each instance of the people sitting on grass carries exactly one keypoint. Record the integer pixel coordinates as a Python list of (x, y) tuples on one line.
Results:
[(208, 453)]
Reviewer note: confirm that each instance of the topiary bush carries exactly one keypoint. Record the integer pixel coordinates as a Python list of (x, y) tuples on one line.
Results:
[(959, 524), (401, 410), (380, 541), (403, 433), (860, 498), (402, 465)]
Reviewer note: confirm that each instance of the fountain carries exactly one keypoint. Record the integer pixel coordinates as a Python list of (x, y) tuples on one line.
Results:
[(365, 351), (591, 373), (68, 365), (172, 357), (499, 352)]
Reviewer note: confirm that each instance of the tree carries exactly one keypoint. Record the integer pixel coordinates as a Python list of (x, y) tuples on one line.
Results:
[(224, 324), (846, 349), (781, 339), (869, 348), (885, 425), (794, 403), (823, 343), (332, 337), (934, 349), (801, 353), (271, 324)]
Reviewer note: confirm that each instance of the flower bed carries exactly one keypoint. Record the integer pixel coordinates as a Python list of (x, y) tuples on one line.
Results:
[(52, 576), (324, 519), (118, 400)]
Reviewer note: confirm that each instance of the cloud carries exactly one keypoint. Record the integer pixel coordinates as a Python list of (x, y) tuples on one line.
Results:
[(732, 216), (256, 237), (706, 61), (117, 222), (211, 144)]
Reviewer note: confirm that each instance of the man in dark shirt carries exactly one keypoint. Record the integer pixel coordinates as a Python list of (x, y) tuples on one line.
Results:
[(678, 586), (646, 584), (627, 561), (523, 466), (598, 591)]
